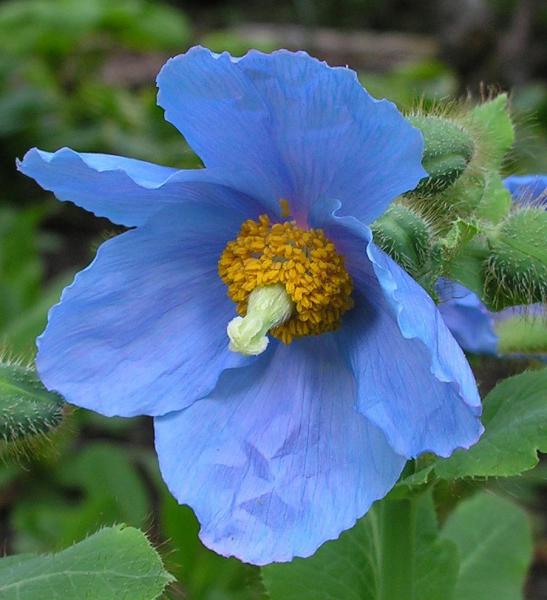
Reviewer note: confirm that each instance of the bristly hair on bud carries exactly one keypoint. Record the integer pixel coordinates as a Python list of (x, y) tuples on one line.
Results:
[(406, 236), (516, 269), (30, 415), (448, 150), (483, 135)]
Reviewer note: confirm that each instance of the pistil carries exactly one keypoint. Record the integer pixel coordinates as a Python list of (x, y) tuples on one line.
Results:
[(268, 306)]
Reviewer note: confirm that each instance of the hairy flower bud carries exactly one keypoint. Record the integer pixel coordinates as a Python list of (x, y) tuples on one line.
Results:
[(517, 265), (448, 150), (405, 236)]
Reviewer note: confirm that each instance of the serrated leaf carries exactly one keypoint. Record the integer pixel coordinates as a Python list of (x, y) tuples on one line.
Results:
[(414, 482), (116, 562), (27, 408), (515, 420), (353, 566), (495, 543), (9, 562)]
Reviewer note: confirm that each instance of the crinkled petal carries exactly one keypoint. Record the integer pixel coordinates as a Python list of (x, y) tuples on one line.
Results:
[(468, 319), (285, 125), (124, 190), (276, 460), (413, 379), (528, 189), (142, 330)]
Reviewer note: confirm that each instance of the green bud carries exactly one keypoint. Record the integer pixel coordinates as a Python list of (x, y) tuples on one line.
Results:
[(448, 149), (405, 236), (516, 271), (27, 409)]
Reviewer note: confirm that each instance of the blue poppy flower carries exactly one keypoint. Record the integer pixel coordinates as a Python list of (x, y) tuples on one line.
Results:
[(472, 324), (276, 446)]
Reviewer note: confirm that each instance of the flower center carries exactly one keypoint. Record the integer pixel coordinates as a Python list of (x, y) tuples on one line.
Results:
[(285, 280)]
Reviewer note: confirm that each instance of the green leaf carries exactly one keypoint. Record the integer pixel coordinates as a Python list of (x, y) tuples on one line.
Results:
[(515, 419), (353, 567), (27, 408), (416, 481), (461, 233), (495, 543), (204, 573), (467, 267), (496, 199), (346, 568), (493, 128), (9, 562), (437, 560), (116, 562)]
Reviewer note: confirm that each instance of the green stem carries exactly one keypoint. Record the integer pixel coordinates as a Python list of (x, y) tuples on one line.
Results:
[(398, 519)]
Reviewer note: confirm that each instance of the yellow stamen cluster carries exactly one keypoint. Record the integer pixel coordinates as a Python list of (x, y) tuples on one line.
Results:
[(304, 261)]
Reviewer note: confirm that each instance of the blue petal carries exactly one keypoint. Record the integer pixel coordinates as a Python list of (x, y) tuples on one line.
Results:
[(142, 330), (470, 322), (530, 189), (124, 190), (413, 379), (276, 460), (288, 126)]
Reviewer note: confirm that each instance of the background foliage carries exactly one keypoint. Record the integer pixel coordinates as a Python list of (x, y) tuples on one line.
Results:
[(81, 74)]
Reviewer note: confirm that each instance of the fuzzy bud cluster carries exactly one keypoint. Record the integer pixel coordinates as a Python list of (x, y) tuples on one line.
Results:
[(459, 221)]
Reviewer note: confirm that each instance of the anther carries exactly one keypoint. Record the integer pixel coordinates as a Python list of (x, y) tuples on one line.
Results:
[(312, 287), (284, 206)]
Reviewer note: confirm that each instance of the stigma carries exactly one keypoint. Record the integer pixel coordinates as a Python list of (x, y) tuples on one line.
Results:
[(268, 306), (284, 280)]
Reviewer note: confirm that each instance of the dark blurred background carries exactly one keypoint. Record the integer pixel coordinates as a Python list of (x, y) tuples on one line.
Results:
[(81, 74)]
